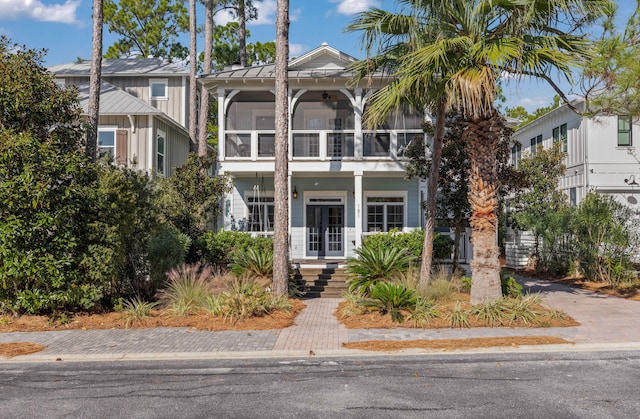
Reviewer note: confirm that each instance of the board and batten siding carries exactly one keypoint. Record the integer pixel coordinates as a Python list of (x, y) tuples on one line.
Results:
[(176, 147)]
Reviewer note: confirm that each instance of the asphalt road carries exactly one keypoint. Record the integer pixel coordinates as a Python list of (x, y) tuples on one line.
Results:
[(551, 385)]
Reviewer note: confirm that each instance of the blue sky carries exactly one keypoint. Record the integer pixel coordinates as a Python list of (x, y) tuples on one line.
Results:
[(63, 27)]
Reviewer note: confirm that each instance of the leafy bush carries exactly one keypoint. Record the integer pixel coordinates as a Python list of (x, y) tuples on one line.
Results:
[(373, 264), (166, 250), (510, 287), (221, 246), (423, 312), (190, 199), (605, 234), (55, 249), (412, 242)]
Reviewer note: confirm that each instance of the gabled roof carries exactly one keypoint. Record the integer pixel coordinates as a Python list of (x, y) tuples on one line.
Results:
[(115, 101), (324, 61), (125, 66)]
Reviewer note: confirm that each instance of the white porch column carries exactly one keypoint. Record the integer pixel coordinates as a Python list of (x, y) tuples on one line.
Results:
[(357, 137), (357, 179), (221, 127)]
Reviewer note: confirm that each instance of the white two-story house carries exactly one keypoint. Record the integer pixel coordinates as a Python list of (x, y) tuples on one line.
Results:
[(600, 155), (143, 110), (346, 182)]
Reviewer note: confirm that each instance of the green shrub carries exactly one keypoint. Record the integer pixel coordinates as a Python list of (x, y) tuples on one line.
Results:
[(491, 312), (136, 309), (458, 317), (221, 246), (412, 242), (466, 284), (510, 287), (166, 250), (373, 264)]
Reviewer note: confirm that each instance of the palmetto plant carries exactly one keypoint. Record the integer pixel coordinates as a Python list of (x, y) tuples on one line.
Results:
[(374, 264), (253, 262), (390, 297)]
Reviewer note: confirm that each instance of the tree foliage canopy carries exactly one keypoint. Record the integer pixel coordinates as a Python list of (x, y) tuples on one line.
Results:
[(148, 28)]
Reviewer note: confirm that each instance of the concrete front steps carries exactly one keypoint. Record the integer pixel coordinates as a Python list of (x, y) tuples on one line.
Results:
[(322, 282)]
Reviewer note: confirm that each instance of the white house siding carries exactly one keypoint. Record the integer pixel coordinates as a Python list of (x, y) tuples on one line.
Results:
[(594, 160), (176, 147)]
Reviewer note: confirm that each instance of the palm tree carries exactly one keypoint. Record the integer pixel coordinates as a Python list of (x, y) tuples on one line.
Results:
[(94, 80), (469, 44), (281, 174)]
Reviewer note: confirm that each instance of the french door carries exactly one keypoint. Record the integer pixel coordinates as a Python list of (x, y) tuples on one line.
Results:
[(325, 230)]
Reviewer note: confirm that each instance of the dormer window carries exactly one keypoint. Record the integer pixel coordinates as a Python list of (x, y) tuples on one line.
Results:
[(158, 89)]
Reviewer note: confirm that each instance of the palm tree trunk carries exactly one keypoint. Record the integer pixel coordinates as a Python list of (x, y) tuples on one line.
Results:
[(94, 81), (204, 92), (193, 67), (481, 140), (432, 195), (281, 174)]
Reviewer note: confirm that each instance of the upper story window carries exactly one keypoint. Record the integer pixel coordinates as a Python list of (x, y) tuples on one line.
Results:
[(535, 142), (624, 130), (251, 111), (560, 134), (160, 152), (158, 89), (106, 143)]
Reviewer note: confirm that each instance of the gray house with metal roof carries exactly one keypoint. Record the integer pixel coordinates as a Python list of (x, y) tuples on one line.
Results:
[(143, 110), (346, 181)]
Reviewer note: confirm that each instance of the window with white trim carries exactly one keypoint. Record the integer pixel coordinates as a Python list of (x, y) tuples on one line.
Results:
[(624, 130), (261, 213), (385, 213), (160, 151), (158, 89), (106, 143), (516, 155), (535, 142)]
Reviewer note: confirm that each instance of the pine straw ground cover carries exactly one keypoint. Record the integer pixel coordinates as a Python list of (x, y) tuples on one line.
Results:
[(158, 318), (374, 320)]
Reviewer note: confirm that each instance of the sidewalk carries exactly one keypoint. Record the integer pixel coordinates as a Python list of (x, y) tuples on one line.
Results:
[(605, 323)]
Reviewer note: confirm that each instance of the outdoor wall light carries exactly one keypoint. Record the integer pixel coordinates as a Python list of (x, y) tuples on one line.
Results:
[(295, 193)]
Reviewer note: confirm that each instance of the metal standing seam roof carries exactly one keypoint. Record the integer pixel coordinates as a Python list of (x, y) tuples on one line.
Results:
[(115, 101), (124, 66)]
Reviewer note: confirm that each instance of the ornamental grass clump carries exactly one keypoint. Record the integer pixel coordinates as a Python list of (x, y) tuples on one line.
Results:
[(188, 289)]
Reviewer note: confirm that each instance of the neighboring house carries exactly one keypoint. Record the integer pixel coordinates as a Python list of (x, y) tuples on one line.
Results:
[(346, 182), (143, 110), (600, 155)]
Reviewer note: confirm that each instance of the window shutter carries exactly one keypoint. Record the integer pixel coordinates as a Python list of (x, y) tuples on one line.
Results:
[(121, 146)]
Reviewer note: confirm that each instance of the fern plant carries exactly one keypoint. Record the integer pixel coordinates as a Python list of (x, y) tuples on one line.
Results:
[(374, 264)]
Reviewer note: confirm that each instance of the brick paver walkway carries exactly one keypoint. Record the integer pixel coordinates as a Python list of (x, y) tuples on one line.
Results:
[(316, 328)]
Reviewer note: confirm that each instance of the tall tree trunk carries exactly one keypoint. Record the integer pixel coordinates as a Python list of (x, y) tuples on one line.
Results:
[(193, 86), (481, 140), (242, 31), (432, 195), (204, 92), (94, 81), (281, 175)]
